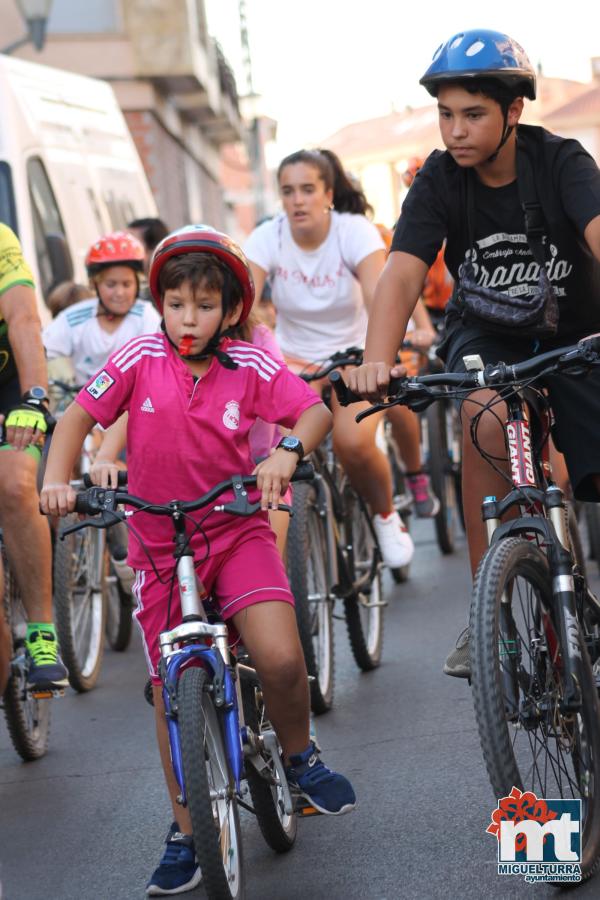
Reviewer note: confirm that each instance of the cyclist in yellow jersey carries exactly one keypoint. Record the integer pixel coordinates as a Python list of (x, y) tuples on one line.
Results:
[(25, 417)]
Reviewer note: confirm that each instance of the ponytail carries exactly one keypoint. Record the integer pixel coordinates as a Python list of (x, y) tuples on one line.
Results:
[(346, 196)]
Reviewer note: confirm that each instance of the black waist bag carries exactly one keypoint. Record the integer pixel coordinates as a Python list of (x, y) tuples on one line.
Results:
[(537, 314)]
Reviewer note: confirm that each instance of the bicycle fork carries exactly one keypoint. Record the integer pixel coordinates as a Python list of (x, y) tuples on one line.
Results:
[(555, 532)]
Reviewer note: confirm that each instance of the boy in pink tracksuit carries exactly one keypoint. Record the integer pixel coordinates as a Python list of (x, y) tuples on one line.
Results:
[(192, 395)]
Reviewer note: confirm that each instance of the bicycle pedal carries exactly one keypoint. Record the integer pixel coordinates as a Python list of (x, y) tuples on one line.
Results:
[(47, 695), (305, 810)]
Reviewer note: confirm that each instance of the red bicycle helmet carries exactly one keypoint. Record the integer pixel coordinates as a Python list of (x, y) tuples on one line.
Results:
[(202, 239), (119, 248)]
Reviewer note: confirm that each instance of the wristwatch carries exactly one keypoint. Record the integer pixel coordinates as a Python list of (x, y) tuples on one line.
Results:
[(293, 445), (36, 394)]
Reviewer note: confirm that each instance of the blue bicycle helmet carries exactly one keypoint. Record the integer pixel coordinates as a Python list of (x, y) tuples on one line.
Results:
[(480, 53)]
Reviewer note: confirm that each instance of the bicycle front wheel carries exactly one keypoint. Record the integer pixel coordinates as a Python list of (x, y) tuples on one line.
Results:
[(210, 789), (80, 566), (528, 740), (442, 477), (27, 718), (364, 608)]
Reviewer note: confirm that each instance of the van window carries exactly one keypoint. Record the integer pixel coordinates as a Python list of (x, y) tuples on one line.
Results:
[(8, 210), (68, 16), (47, 223)]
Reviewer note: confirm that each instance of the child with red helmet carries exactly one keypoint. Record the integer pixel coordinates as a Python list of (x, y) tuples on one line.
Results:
[(88, 332), (192, 394)]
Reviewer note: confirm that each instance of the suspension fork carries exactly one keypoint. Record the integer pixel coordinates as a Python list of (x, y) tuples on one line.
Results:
[(563, 592)]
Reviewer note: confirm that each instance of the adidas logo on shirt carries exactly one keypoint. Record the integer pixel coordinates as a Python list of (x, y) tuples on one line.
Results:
[(147, 406)]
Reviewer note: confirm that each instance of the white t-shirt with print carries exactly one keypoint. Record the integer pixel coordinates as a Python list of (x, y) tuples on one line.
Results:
[(319, 302), (76, 333)]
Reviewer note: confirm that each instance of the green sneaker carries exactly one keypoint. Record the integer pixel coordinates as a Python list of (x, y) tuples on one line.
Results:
[(46, 671)]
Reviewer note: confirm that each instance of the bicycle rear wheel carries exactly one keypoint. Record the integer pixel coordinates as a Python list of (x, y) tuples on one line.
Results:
[(27, 718), (119, 613), (442, 477), (80, 566), (528, 741), (365, 607), (307, 572), (210, 789), (278, 829)]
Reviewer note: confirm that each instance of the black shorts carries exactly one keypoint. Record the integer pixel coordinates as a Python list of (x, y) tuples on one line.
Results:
[(575, 401)]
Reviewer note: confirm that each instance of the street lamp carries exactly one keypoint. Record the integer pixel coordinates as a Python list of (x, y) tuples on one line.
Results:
[(35, 13)]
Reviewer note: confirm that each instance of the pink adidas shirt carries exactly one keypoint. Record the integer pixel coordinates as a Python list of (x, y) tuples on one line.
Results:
[(185, 437)]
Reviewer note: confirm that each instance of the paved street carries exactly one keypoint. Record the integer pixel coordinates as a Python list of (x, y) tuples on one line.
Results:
[(87, 822)]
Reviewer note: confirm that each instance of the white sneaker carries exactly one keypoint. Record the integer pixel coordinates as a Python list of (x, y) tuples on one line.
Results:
[(395, 543)]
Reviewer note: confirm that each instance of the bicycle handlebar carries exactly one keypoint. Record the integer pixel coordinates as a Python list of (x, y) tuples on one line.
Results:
[(97, 500), (417, 393)]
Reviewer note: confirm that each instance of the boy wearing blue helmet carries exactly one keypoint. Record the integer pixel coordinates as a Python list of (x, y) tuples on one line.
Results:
[(521, 286)]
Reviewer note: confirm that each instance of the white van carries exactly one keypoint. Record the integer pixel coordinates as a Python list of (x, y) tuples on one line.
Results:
[(69, 170)]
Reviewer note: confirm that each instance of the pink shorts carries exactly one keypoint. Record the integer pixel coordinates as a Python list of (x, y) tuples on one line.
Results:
[(250, 572)]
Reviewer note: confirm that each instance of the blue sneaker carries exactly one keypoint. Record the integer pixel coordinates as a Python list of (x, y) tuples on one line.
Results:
[(329, 792), (178, 870)]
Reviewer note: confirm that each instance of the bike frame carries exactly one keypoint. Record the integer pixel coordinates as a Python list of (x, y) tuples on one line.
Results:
[(187, 644)]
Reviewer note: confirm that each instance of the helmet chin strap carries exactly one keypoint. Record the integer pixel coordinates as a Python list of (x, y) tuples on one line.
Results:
[(506, 132), (211, 348)]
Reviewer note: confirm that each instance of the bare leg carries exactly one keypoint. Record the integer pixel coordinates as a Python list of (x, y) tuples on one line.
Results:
[(406, 431), (559, 471), (31, 559), (279, 522), (367, 467), (180, 813), (478, 477), (270, 635)]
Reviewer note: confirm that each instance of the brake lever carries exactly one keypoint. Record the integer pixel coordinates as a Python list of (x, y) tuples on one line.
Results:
[(104, 520), (371, 411)]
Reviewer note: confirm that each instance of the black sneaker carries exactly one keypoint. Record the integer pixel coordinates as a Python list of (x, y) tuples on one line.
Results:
[(458, 663), (46, 671), (178, 870)]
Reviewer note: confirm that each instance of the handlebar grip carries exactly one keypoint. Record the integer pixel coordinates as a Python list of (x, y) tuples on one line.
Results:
[(304, 472), (83, 506), (342, 392), (395, 386), (592, 342)]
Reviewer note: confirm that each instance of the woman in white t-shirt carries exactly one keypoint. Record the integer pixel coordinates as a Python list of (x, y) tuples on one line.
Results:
[(90, 331), (323, 258)]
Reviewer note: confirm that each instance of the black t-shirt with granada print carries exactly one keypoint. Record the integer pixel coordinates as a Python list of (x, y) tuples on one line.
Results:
[(567, 181)]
